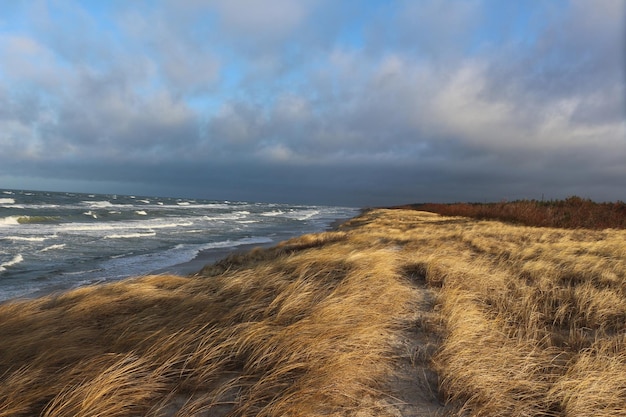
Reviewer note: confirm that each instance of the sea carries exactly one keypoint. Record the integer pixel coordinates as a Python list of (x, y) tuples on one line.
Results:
[(54, 241)]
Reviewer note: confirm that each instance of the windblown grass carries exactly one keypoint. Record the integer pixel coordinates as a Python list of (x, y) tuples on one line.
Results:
[(534, 318), (286, 331), (528, 322)]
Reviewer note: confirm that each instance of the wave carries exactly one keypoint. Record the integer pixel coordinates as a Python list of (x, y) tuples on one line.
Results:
[(37, 219), (170, 225), (11, 220), (97, 204), (104, 204), (7, 201), (53, 247), (130, 235), (91, 214), (184, 252), (303, 214), (124, 226), (141, 212), (251, 241), (232, 243), (273, 213), (16, 260), (292, 214), (27, 238)]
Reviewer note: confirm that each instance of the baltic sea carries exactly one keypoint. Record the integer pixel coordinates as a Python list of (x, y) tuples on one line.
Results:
[(52, 241)]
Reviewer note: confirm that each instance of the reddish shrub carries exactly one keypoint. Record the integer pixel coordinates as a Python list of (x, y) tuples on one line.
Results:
[(572, 213)]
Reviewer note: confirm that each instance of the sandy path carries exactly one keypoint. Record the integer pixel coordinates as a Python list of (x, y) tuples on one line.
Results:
[(414, 386)]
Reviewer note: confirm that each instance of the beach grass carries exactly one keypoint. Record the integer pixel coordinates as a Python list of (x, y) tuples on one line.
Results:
[(488, 318)]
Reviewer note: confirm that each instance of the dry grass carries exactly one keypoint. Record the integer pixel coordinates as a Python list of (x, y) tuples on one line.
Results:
[(534, 318), (303, 329), (531, 320)]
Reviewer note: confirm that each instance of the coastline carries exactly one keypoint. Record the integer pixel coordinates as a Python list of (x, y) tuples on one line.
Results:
[(332, 311), (401, 312), (206, 257), (210, 256)]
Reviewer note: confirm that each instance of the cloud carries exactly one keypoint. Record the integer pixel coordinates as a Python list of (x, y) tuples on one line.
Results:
[(359, 102)]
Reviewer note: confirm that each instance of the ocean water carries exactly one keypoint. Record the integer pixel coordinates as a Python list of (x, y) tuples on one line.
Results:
[(53, 241)]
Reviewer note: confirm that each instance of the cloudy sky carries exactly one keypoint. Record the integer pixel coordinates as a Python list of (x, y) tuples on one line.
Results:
[(351, 102)]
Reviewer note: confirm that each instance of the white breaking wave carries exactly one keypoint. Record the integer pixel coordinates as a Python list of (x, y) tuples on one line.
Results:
[(303, 214), (130, 235), (129, 225), (11, 220), (29, 238), (53, 247), (5, 201), (97, 204), (141, 212), (272, 213), (16, 260)]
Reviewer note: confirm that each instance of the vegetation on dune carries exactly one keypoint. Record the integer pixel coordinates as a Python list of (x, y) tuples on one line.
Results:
[(526, 321), (571, 213), (534, 319), (285, 331)]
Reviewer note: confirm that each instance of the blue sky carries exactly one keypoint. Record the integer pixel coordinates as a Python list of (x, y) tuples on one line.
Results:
[(315, 101)]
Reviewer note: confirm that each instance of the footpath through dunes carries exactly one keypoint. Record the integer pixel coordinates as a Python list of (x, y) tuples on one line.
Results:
[(393, 314)]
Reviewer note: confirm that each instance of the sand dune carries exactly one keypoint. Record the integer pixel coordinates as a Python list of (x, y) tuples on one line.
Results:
[(396, 313)]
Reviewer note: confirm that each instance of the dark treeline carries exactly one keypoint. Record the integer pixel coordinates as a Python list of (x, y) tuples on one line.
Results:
[(572, 213)]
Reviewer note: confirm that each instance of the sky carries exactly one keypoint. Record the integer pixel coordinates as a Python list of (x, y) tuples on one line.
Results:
[(354, 103)]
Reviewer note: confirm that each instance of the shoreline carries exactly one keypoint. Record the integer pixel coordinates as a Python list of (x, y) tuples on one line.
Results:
[(210, 256), (206, 257), (331, 311), (187, 268)]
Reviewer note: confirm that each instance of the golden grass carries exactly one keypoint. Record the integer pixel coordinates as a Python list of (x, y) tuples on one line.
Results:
[(534, 318), (532, 322), (286, 331)]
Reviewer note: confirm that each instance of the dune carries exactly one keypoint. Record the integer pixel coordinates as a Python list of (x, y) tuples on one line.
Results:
[(394, 313)]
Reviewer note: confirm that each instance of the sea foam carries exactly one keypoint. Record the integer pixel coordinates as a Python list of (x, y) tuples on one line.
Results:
[(9, 221)]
